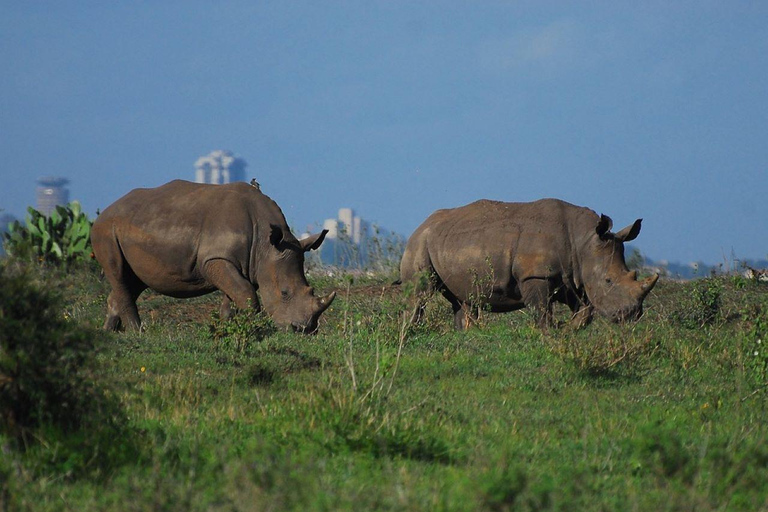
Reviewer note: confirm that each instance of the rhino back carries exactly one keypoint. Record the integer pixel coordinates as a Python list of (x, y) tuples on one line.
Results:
[(167, 233)]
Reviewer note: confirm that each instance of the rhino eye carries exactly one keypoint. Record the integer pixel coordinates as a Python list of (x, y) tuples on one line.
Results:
[(285, 294), (608, 280)]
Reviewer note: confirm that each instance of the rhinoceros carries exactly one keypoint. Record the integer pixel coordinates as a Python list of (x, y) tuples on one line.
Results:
[(506, 256), (187, 239)]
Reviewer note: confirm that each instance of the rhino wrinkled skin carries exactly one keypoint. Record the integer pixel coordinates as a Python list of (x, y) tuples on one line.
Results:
[(186, 239), (506, 256)]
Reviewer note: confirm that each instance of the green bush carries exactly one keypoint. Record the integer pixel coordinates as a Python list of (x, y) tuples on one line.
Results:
[(44, 359), (64, 237), (242, 327), (702, 306), (756, 353)]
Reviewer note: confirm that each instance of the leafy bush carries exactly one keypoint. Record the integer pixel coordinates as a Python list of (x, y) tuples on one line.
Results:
[(63, 237), (44, 360), (756, 353), (242, 327), (702, 306)]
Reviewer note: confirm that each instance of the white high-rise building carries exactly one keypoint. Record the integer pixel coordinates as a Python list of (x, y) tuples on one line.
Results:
[(219, 167), (332, 225), (357, 229), (352, 227), (345, 221)]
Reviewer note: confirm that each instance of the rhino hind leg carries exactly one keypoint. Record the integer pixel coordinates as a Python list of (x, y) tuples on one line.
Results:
[(126, 288), (465, 315), (122, 310), (425, 283), (537, 295), (224, 275)]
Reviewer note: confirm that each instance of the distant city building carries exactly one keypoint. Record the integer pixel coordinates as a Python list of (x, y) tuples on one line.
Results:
[(345, 240), (51, 192), (332, 225), (219, 167), (347, 225), (352, 242)]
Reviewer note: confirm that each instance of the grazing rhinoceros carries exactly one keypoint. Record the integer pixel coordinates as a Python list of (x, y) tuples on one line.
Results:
[(506, 256), (186, 239)]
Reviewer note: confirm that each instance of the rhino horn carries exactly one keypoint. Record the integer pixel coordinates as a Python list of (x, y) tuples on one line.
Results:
[(324, 302), (647, 285)]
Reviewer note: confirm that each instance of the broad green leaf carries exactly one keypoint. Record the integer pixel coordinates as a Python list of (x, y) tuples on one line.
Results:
[(56, 249), (57, 215)]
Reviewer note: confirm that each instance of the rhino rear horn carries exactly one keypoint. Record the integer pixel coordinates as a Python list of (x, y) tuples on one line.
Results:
[(313, 242)]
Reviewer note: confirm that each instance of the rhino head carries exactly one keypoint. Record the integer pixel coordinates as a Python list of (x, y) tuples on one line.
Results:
[(612, 289), (285, 293)]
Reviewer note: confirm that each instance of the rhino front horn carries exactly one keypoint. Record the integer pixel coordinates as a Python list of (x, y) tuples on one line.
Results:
[(324, 302), (647, 285)]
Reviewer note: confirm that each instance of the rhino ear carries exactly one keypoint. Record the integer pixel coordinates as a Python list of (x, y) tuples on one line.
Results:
[(275, 235), (313, 242), (629, 233), (604, 226)]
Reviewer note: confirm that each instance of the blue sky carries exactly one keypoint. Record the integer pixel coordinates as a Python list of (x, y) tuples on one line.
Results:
[(650, 109)]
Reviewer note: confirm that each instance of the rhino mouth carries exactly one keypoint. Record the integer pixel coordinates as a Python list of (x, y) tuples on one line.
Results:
[(621, 316), (310, 328)]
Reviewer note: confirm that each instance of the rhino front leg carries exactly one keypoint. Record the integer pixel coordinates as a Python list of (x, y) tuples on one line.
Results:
[(581, 316), (225, 309), (537, 295), (236, 288)]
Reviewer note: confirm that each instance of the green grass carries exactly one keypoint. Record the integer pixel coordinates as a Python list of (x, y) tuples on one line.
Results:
[(666, 414)]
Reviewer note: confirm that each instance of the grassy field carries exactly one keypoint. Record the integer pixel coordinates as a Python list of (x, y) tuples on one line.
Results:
[(193, 414)]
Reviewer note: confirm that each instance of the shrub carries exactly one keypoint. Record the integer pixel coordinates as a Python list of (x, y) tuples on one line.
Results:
[(756, 354), (63, 237), (43, 359), (242, 327), (702, 306)]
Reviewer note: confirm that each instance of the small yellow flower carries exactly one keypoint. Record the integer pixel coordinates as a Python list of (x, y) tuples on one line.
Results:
[(143, 369), (705, 406)]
